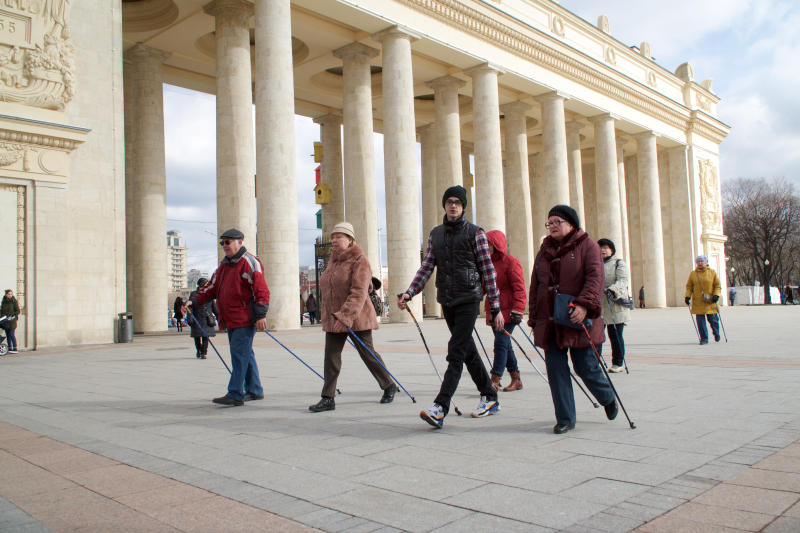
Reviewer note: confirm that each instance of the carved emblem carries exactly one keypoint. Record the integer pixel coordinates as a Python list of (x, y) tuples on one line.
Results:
[(10, 153), (703, 103), (557, 25), (651, 78), (36, 53), (710, 214), (610, 55)]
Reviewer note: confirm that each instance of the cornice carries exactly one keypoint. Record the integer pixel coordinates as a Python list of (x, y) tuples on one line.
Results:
[(470, 20)]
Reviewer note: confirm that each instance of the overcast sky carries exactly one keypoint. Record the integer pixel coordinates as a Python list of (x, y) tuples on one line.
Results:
[(748, 47)]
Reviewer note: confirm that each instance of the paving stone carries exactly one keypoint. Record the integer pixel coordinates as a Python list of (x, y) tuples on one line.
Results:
[(611, 522), (744, 498), (783, 524), (781, 463), (768, 479), (604, 491), (485, 522), (722, 516), (635, 511)]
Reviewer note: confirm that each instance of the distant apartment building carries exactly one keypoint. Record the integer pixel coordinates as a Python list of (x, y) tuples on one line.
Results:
[(194, 275), (176, 260)]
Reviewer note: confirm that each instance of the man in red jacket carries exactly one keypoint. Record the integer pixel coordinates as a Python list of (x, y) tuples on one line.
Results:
[(511, 285), (242, 300)]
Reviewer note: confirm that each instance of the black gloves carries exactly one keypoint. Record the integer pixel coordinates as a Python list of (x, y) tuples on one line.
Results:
[(715, 298), (495, 312), (687, 300), (516, 317)]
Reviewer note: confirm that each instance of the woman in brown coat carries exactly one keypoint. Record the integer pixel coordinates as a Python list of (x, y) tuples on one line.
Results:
[(346, 304), (569, 262)]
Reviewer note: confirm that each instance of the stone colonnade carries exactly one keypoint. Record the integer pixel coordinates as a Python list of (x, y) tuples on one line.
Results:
[(617, 195)]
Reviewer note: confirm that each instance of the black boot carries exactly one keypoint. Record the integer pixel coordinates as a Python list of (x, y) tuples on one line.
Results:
[(612, 410), (388, 393), (324, 404)]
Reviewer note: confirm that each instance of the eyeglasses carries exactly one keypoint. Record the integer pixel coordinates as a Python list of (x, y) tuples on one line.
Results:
[(223, 242), (553, 223), (453, 202)]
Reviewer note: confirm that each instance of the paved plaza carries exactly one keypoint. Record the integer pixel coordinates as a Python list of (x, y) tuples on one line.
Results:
[(125, 438)]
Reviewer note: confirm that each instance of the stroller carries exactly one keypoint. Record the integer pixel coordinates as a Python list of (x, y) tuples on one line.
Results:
[(3, 346)]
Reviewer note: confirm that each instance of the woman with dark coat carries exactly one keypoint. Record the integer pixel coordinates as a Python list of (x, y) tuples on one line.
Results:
[(511, 285), (204, 315), (569, 262), (10, 308), (177, 308), (346, 304)]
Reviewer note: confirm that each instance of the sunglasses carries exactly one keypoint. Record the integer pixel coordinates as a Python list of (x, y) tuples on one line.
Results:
[(223, 242)]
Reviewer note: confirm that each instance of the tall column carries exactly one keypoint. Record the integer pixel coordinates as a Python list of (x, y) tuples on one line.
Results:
[(488, 152), (634, 225), (573, 129), (589, 193), (275, 157), (609, 225), (236, 204), (431, 206), (516, 187), (650, 217), (361, 208), (539, 207), (400, 165), (623, 248), (147, 207), (554, 149), (448, 131), (467, 179), (666, 230), (330, 132), (682, 246)]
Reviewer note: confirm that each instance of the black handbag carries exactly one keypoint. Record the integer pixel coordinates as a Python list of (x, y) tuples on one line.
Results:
[(562, 309), (212, 323)]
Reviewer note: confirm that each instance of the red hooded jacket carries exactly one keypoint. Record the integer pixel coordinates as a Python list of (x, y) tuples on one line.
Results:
[(577, 268), (510, 282)]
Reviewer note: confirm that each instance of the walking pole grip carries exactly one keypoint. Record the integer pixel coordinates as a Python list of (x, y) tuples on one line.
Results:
[(203, 331)]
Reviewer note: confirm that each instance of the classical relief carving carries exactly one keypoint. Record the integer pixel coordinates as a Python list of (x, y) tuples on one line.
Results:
[(557, 25), (10, 153), (610, 56), (709, 197), (36, 53)]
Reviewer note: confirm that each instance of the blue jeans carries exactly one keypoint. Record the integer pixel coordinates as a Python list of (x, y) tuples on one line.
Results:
[(244, 376), (11, 338), (504, 357), (587, 367), (701, 326), (614, 335)]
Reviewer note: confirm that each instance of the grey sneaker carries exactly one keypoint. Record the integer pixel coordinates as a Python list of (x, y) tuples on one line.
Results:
[(433, 415), (486, 407)]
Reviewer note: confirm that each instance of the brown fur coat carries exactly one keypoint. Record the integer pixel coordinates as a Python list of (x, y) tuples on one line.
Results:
[(343, 288)]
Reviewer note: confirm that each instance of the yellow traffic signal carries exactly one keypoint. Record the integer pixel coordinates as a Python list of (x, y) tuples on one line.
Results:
[(317, 152)]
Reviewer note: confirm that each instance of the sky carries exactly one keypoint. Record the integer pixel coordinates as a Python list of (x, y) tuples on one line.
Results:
[(749, 47)]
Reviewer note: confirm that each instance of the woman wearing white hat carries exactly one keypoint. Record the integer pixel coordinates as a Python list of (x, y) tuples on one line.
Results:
[(345, 304)]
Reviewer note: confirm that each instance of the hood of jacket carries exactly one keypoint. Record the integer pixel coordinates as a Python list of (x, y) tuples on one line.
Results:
[(498, 240)]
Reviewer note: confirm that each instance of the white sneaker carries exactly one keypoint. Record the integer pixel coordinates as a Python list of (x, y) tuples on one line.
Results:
[(485, 408), (616, 369), (13, 351), (433, 415)]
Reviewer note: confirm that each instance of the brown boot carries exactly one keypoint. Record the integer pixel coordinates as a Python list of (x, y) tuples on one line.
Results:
[(516, 383), (495, 381)]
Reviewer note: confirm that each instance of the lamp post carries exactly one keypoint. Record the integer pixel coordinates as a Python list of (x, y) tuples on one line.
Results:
[(767, 296)]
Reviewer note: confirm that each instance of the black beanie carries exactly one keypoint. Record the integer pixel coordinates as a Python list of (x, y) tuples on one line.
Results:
[(459, 192), (609, 243), (567, 213)]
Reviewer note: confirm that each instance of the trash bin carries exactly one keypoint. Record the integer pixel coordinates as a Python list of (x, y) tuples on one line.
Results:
[(125, 327)]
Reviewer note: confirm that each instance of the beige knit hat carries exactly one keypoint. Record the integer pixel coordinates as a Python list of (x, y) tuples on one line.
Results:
[(344, 227)]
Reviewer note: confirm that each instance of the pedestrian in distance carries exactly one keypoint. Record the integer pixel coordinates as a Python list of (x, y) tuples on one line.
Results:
[(302, 309), (459, 251), (204, 316), (9, 308), (177, 308), (641, 297), (345, 304), (511, 285), (242, 297), (731, 295), (569, 263), (311, 307), (615, 315), (702, 293)]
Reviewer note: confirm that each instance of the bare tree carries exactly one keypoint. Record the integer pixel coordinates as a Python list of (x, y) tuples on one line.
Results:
[(762, 221)]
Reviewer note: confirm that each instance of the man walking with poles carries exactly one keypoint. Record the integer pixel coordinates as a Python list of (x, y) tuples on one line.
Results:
[(702, 292), (460, 252), (242, 300)]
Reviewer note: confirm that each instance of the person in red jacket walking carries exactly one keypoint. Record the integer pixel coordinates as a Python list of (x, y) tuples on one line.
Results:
[(242, 301), (511, 285), (569, 262)]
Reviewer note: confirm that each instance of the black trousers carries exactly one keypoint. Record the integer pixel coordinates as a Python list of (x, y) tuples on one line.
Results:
[(461, 351), (201, 343), (614, 334)]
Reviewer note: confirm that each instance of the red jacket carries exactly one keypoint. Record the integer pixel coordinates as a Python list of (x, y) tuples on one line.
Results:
[(577, 268), (240, 289), (509, 282)]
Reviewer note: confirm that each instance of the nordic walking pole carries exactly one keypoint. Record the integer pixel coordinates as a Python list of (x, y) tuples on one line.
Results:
[(203, 331), (613, 388), (297, 357), (578, 383), (458, 412), (356, 337), (691, 317), (482, 346), (526, 356), (721, 323), (624, 359)]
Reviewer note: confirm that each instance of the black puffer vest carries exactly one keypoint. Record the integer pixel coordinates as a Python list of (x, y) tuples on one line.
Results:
[(458, 279)]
